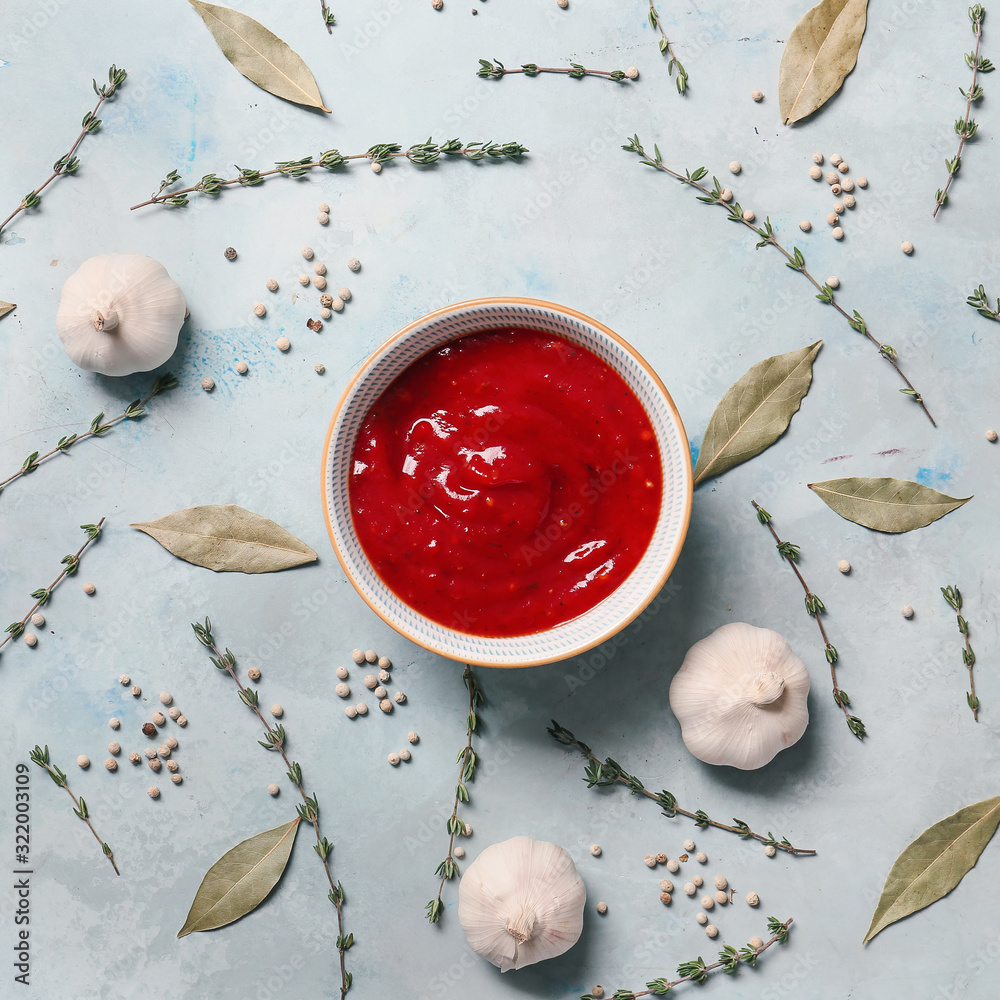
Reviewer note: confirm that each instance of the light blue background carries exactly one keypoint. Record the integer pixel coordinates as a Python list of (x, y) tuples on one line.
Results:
[(577, 222)]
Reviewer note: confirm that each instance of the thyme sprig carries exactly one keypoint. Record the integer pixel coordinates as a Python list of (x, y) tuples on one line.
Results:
[(69, 163), (814, 608), (275, 739), (41, 758), (467, 761), (498, 71), (696, 971), (42, 595), (667, 49), (794, 259), (954, 598), (422, 154), (981, 303), (328, 17), (601, 774), (966, 127), (98, 428)]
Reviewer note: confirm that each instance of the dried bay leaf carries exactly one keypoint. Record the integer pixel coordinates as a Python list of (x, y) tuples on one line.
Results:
[(885, 504), (241, 879), (260, 55), (935, 863), (755, 411), (6, 307), (821, 50), (228, 539)]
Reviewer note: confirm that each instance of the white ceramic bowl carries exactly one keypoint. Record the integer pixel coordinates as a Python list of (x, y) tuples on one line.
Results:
[(615, 611)]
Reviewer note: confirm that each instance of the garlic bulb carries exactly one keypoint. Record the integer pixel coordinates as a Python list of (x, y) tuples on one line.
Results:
[(120, 313), (520, 902), (740, 696)]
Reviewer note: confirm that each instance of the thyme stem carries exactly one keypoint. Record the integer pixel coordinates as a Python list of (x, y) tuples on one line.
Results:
[(954, 598), (309, 810), (667, 49), (41, 758), (72, 563), (608, 772), (132, 412), (966, 127), (795, 260), (68, 164), (814, 608), (497, 70), (328, 19), (422, 154), (981, 303), (467, 761), (697, 971)]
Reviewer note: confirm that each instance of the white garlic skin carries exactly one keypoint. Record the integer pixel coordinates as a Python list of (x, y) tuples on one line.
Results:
[(120, 313), (520, 902), (740, 696)]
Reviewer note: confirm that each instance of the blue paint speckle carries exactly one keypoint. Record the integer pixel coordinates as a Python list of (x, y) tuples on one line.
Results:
[(928, 477), (695, 449)]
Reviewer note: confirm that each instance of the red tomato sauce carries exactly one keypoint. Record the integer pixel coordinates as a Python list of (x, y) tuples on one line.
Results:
[(505, 483)]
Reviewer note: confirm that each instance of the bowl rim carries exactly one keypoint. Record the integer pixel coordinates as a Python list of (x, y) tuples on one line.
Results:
[(383, 349)]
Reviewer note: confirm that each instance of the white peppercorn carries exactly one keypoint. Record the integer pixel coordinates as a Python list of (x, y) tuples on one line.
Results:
[(770, 850), (632, 73), (325, 313), (272, 285), (404, 754), (701, 857), (756, 942), (753, 899), (838, 207), (749, 215), (337, 305), (155, 764), (159, 718), (254, 673), (171, 742), (323, 218), (862, 181), (836, 159), (362, 708), (665, 898), (817, 157), (114, 748), (376, 166), (649, 861), (136, 690), (399, 698), (358, 656), (174, 712), (991, 435), (345, 294), (712, 931), (354, 264), (385, 705), (149, 753), (89, 589), (163, 751), (459, 851), (172, 766), (182, 720), (412, 738), (847, 184), (720, 882), (907, 247), (702, 918), (323, 207), (833, 281), (690, 888), (342, 690), (370, 655), (380, 692), (394, 759), (31, 639), (260, 309), (805, 225), (282, 343), (601, 907), (208, 383), (176, 779), (166, 697), (135, 758), (735, 167), (466, 830), (111, 764), (758, 95), (707, 902), (304, 280), (595, 849), (689, 845), (832, 218), (327, 300), (320, 282), (123, 679), (342, 673), (698, 880), (277, 711), (907, 610), (843, 167), (83, 761), (351, 712), (242, 367), (721, 898), (307, 253), (371, 682), (838, 233), (273, 789), (844, 566), (153, 792), (384, 676), (661, 858), (726, 194), (115, 723), (816, 173), (673, 865)]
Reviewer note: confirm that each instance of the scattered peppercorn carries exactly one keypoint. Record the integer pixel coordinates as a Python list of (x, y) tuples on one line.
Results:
[(159, 718), (362, 708), (632, 73), (358, 656), (689, 845), (376, 166), (148, 729), (833, 281), (701, 857), (114, 723), (726, 194), (176, 779), (712, 931), (114, 748), (843, 167), (337, 305), (770, 850), (260, 309), (650, 861), (153, 792), (756, 942), (182, 720), (384, 676), (342, 690), (721, 898), (149, 753), (172, 765), (991, 435), (323, 207), (661, 858), (816, 173), (314, 324), (272, 285), (384, 663), (385, 705), (838, 233), (720, 882), (749, 215), (413, 738), (371, 682), (836, 159), (805, 225), (735, 167), (111, 764), (273, 789), (135, 758), (602, 907), (38, 619), (459, 851), (844, 566), (283, 343), (323, 219), (171, 742), (861, 181), (370, 655), (254, 673), (325, 313), (838, 207), (758, 96), (665, 898), (907, 610), (753, 899), (351, 712), (307, 253), (89, 589), (242, 367), (847, 184), (690, 889), (404, 754), (817, 158), (380, 692), (277, 711), (595, 849), (698, 880), (320, 282), (399, 698), (124, 680), (394, 759), (354, 264), (836, 190), (832, 177), (707, 902), (702, 918), (906, 247), (849, 200), (155, 764), (83, 761)]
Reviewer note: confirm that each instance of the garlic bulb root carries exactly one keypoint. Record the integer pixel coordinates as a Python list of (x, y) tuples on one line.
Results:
[(520, 902)]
